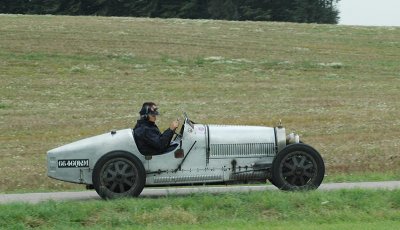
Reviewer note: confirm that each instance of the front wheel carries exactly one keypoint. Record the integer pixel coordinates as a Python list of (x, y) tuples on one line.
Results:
[(298, 167), (119, 174)]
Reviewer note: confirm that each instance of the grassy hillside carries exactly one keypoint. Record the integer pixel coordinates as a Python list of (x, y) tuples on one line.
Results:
[(65, 78)]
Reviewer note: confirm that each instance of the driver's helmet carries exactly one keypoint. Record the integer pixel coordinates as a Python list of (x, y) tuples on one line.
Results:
[(148, 108)]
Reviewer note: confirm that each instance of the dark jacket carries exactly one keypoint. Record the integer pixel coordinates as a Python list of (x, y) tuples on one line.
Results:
[(149, 139)]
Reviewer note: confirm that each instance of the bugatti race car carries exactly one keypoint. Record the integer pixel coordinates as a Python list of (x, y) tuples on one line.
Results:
[(199, 154)]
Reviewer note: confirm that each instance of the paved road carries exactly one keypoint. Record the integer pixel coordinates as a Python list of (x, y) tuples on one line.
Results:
[(160, 192)]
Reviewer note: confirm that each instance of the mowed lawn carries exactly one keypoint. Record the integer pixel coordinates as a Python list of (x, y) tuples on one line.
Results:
[(65, 78), (342, 209)]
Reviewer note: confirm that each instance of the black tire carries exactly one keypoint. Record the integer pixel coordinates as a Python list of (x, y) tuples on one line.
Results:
[(298, 167), (271, 181), (119, 174)]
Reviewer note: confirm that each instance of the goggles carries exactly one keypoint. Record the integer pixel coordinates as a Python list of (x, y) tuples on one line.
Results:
[(153, 111)]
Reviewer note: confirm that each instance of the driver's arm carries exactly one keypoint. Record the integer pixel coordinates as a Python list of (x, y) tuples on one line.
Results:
[(161, 142), (158, 142)]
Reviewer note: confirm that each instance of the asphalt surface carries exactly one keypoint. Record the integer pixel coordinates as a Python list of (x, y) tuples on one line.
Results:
[(181, 191)]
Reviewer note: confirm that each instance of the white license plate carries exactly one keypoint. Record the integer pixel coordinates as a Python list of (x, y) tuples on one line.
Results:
[(78, 163)]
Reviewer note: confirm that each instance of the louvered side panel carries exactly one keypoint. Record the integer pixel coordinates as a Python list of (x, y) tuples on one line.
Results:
[(242, 150)]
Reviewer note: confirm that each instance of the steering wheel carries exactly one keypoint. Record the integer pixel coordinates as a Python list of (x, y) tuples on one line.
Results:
[(186, 116), (178, 136)]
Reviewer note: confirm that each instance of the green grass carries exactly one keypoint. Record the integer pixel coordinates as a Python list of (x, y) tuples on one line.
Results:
[(362, 176), (346, 209), (3, 106), (66, 78)]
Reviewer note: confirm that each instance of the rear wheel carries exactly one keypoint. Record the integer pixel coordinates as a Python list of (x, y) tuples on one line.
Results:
[(298, 167), (119, 174)]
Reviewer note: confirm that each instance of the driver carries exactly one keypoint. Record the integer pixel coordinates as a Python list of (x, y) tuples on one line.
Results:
[(148, 138)]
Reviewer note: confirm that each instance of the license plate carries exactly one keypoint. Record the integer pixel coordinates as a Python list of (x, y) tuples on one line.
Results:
[(79, 163)]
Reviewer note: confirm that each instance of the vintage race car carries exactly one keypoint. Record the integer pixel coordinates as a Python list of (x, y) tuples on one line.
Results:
[(199, 154)]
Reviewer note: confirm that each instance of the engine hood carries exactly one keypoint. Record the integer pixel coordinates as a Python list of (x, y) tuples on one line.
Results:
[(229, 141), (232, 134)]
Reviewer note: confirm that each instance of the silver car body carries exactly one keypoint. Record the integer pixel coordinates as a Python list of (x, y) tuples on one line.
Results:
[(213, 153)]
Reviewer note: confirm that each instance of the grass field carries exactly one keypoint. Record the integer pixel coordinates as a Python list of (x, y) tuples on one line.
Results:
[(66, 78), (351, 209)]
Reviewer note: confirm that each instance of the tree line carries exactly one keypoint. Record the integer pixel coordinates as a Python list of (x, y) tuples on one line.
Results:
[(303, 11)]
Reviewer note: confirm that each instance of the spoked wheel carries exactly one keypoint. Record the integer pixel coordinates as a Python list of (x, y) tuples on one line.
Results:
[(298, 167), (118, 174)]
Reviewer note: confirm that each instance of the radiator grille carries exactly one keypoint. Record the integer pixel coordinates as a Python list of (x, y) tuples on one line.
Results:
[(244, 150)]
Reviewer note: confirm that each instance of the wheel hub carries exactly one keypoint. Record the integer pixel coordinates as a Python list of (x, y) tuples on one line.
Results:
[(299, 171), (119, 178)]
